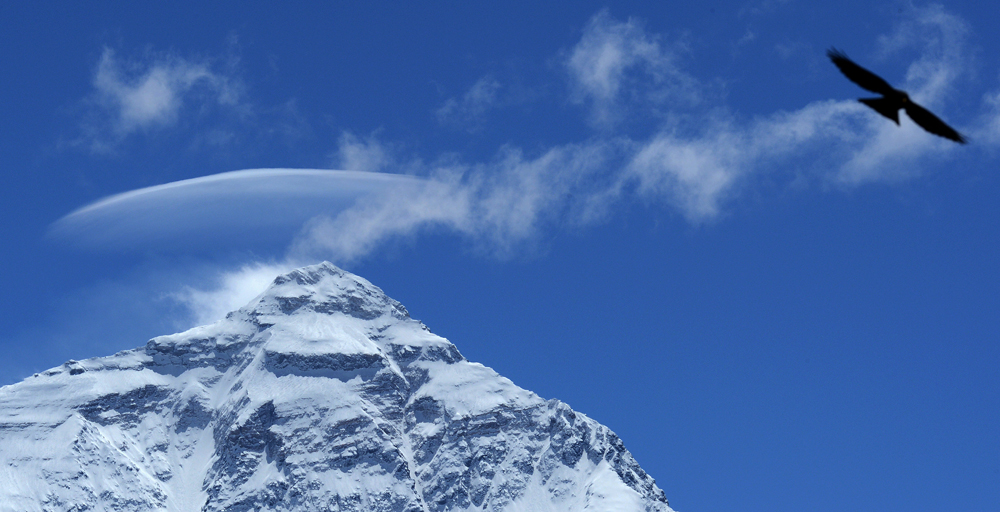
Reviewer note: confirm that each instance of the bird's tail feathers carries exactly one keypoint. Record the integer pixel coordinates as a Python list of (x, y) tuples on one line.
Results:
[(885, 106)]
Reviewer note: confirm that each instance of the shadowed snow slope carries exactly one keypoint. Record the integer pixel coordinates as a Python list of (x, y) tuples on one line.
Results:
[(321, 394)]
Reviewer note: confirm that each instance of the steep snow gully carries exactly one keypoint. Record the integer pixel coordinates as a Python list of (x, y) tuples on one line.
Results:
[(321, 394)]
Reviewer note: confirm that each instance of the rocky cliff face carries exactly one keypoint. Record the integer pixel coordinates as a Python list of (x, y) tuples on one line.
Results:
[(321, 394)]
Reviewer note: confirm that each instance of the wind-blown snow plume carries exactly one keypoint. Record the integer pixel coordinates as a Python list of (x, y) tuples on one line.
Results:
[(228, 292)]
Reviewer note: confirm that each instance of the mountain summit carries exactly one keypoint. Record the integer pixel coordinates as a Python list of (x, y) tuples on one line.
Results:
[(321, 394)]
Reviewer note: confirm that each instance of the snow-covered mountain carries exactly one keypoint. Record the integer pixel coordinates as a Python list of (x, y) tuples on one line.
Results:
[(321, 394)]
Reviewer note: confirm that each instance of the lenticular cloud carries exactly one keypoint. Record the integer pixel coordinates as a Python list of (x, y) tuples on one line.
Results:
[(238, 210)]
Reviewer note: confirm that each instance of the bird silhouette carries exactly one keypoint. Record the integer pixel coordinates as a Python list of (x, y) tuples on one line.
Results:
[(892, 99)]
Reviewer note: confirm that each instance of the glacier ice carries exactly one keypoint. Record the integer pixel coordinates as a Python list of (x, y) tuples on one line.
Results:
[(321, 394)]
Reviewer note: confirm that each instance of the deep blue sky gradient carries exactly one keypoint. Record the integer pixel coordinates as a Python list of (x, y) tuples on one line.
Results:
[(815, 345)]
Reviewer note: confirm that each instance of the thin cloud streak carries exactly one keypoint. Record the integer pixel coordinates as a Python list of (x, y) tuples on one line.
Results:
[(228, 210)]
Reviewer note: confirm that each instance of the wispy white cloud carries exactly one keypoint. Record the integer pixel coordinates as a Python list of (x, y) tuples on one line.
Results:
[(367, 154), (469, 110), (140, 95), (617, 64), (693, 175), (700, 163), (988, 128), (698, 173), (498, 204), (943, 57), (695, 163), (944, 62)]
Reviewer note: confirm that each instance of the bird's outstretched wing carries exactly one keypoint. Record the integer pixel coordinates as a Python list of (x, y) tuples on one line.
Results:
[(858, 74), (931, 123), (888, 107)]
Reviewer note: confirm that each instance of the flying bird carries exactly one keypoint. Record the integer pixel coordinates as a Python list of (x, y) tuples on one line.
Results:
[(892, 99)]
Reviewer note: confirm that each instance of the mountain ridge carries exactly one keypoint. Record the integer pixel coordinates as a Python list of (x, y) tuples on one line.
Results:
[(322, 393)]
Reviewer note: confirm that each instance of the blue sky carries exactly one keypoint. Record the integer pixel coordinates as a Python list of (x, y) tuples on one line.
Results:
[(675, 217)]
